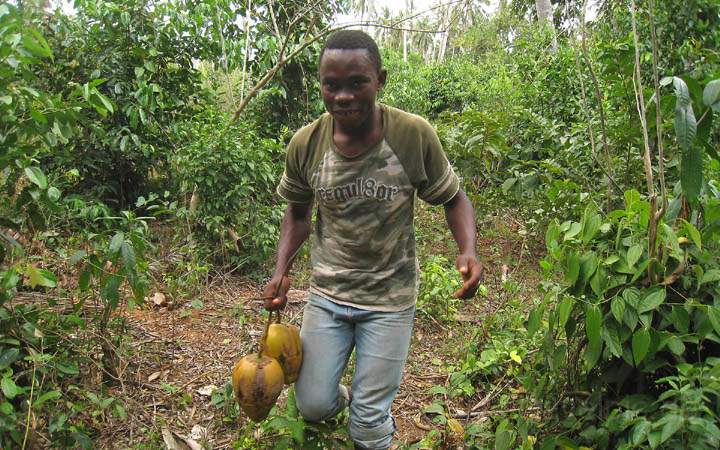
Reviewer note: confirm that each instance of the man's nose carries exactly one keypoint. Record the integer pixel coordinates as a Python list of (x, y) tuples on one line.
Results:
[(343, 96)]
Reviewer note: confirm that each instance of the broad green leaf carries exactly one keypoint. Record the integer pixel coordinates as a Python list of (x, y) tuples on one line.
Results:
[(572, 270), (128, 255), (651, 301), (711, 94), (680, 318), (633, 255), (676, 345), (593, 322), (685, 130), (9, 388), (693, 233), (564, 310), (36, 44), (116, 242), (52, 395), (40, 277), (714, 316), (534, 319), (8, 357), (515, 357), (592, 226), (37, 177), (612, 342), (640, 431), (617, 306), (84, 280), (673, 423), (574, 230), (105, 101), (711, 276), (110, 290), (640, 345)]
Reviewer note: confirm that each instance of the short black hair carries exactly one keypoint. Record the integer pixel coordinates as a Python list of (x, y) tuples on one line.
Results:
[(352, 40)]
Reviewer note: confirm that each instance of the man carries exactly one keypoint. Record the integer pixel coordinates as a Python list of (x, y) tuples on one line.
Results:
[(362, 163)]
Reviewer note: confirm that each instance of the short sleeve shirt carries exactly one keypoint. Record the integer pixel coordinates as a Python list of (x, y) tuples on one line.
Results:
[(363, 245)]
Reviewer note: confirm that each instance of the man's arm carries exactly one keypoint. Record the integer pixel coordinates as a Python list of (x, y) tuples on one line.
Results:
[(460, 217), (294, 230)]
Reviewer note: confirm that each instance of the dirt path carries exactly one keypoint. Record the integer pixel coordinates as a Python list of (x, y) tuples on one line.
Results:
[(181, 355)]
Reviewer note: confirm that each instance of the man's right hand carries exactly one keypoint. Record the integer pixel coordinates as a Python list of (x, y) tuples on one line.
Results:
[(275, 293)]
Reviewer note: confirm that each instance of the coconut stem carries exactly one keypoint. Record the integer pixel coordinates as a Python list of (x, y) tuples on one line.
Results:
[(263, 338)]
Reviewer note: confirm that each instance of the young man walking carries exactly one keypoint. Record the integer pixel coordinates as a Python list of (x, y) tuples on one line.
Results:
[(362, 164)]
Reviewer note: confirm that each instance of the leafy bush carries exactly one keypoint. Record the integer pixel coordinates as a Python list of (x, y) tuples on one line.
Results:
[(233, 174), (438, 281), (629, 319)]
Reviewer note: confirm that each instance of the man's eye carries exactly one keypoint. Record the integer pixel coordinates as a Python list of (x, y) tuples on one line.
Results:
[(357, 84), (331, 85)]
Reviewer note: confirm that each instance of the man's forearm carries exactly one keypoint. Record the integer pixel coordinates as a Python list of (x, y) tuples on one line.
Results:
[(294, 230), (460, 217)]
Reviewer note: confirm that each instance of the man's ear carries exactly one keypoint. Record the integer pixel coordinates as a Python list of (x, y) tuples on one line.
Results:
[(382, 77)]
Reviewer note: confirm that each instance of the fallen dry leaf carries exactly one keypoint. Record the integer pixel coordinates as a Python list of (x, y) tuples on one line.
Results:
[(207, 390), (159, 299)]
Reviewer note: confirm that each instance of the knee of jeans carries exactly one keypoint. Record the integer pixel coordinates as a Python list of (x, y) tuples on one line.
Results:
[(315, 408)]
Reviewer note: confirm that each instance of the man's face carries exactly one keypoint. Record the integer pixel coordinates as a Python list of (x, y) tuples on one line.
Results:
[(349, 82)]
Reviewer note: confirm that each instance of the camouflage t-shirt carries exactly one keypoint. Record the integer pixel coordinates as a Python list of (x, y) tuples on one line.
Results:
[(363, 248)]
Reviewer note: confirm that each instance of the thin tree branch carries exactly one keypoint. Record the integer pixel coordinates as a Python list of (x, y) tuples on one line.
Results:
[(658, 112)]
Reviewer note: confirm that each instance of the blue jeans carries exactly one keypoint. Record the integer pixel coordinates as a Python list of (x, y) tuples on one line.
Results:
[(381, 340)]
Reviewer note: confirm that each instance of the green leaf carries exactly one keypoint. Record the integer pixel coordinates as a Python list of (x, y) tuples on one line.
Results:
[(9, 388), (564, 310), (110, 290), (40, 277), (435, 408), (640, 345), (116, 242), (676, 345), (8, 357), (673, 423), (52, 395), (593, 322), (711, 94), (710, 276), (105, 102), (37, 177), (633, 255), (36, 44), (534, 319), (651, 301), (128, 255), (714, 316), (617, 306), (574, 230), (693, 233), (572, 270)]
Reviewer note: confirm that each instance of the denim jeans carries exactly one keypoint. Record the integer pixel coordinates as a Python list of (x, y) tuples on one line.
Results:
[(381, 339)]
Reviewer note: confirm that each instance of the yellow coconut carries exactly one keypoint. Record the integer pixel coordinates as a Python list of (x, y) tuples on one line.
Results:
[(282, 342), (257, 382)]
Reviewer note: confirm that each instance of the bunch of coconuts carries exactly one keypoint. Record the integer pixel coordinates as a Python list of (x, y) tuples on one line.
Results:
[(258, 378)]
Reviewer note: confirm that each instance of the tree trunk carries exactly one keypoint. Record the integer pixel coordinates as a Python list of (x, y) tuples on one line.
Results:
[(545, 16), (544, 11)]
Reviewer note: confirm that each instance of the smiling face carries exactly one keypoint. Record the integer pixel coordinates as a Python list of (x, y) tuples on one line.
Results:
[(349, 82)]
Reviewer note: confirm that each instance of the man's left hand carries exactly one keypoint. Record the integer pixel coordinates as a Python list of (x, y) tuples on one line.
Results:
[(471, 271)]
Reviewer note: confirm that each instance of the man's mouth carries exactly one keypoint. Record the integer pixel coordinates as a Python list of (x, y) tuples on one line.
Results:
[(346, 112)]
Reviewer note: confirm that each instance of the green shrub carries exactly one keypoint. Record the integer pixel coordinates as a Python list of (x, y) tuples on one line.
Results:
[(438, 281), (233, 174)]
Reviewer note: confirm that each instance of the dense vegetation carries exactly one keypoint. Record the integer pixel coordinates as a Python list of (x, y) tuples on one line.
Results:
[(131, 129)]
